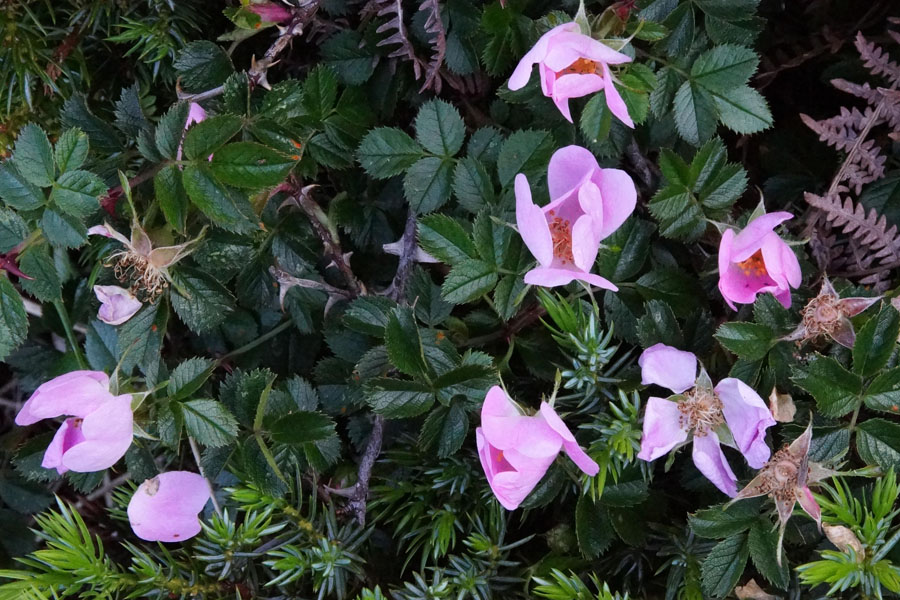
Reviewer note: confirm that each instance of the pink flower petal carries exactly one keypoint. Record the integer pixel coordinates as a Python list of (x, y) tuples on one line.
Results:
[(614, 100), (808, 503), (710, 460), (568, 46), (522, 72), (117, 304), (552, 277), (532, 223), (750, 239), (506, 429), (107, 434), (569, 167), (578, 456), (165, 508), (669, 367), (76, 393), (619, 199), (747, 417), (584, 244), (68, 434), (662, 429), (577, 85)]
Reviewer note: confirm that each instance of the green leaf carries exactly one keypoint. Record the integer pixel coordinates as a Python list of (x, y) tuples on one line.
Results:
[(750, 341), (78, 193), (596, 119), (876, 341), (525, 152), (386, 152), (695, 113), (404, 343), (302, 427), (13, 320), (189, 376), (172, 197), (720, 521), (439, 128), (202, 65), (878, 443), (224, 207), (468, 280), (427, 184), (34, 156), (835, 389), (71, 150), (209, 422), (140, 340), (12, 230), (678, 213), (200, 301), (37, 263), (884, 391), (397, 399), (472, 184), (763, 542), (369, 315), (592, 527), (103, 136), (444, 238), (170, 130), (672, 286), (320, 92), (63, 231), (724, 67), (446, 428), (346, 55), (207, 136), (743, 110), (624, 252), (16, 191), (250, 165), (724, 565)]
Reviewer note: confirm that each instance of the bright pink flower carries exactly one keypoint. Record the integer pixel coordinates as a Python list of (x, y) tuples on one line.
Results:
[(756, 261), (703, 411), (572, 65), (195, 115), (117, 304), (166, 507), (100, 427), (587, 204), (270, 12), (516, 450)]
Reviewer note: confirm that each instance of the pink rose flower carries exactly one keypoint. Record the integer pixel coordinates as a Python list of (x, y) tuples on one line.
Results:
[(195, 115), (587, 204), (701, 410), (756, 261), (270, 12), (100, 427), (117, 305), (166, 507), (516, 450), (572, 65)]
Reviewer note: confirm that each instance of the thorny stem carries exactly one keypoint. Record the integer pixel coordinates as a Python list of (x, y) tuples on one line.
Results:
[(70, 333), (407, 259), (373, 449), (195, 450)]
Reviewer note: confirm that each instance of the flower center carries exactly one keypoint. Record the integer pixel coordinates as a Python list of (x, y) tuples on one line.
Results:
[(146, 279), (561, 234), (755, 265), (701, 410), (582, 66), (822, 315)]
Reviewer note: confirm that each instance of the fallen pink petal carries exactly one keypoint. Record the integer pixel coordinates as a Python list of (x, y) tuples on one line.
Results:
[(166, 508)]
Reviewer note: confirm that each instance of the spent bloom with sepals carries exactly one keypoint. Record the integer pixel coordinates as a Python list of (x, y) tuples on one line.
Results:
[(117, 304), (829, 315), (587, 204), (731, 413), (270, 12), (140, 263), (757, 261), (572, 65), (99, 427), (165, 508), (517, 449)]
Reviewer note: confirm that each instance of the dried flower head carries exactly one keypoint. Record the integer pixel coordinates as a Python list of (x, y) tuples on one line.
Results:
[(829, 315)]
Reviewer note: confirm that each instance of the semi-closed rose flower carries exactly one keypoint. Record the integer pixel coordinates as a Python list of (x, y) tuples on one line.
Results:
[(572, 65), (516, 449), (165, 508), (117, 304), (587, 204)]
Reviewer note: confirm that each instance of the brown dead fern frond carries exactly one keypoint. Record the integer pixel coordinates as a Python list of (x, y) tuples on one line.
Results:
[(870, 230), (434, 27), (877, 60), (393, 9)]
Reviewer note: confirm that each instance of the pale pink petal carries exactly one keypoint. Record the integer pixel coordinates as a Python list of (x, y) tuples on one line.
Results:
[(68, 434), (614, 100), (747, 417), (532, 223), (597, 281), (569, 168), (569, 46), (76, 393), (710, 460), (591, 202), (507, 429), (726, 283), (522, 72), (552, 277), (165, 508), (106, 231), (662, 429), (750, 239), (780, 261), (511, 475), (669, 367), (619, 198), (196, 114), (117, 304), (576, 85), (578, 456), (562, 103), (584, 244), (108, 432), (783, 296)]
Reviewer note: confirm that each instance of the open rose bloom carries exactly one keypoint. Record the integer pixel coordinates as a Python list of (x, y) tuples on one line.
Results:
[(587, 204), (516, 450), (165, 508), (731, 413), (572, 65), (99, 429), (757, 261)]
